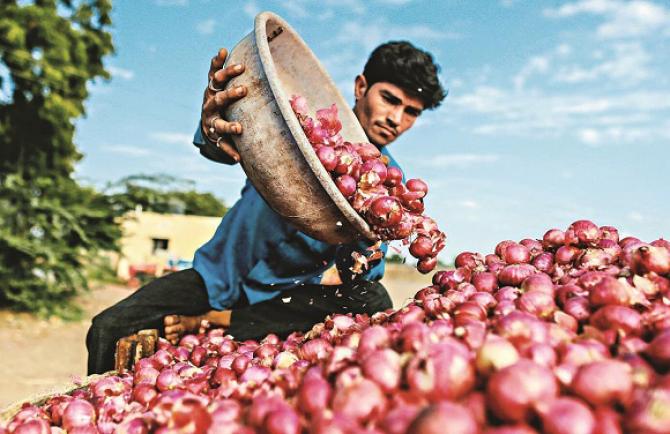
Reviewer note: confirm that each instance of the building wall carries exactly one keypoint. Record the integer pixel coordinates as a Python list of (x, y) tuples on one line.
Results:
[(184, 233)]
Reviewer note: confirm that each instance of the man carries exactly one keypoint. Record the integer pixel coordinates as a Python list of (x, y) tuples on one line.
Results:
[(258, 274)]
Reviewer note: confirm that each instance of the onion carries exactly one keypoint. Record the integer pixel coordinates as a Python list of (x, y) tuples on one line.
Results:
[(510, 293), (510, 429), (327, 157), (421, 247), (567, 416), (397, 420), (565, 255), (315, 349), (604, 382), (583, 233), (484, 299), (516, 254), (469, 260), (496, 353), (485, 281), (651, 259), (361, 401), (383, 367), (609, 291), (437, 417), (622, 319), (346, 184), (417, 186), (426, 265), (78, 413), (537, 303), (659, 350), (385, 211), (168, 380), (534, 246), (514, 391), (31, 426), (500, 248), (393, 176), (282, 421), (522, 329), (578, 307), (544, 261), (514, 274), (608, 421), (314, 395), (454, 371), (413, 337), (553, 239), (649, 413), (367, 151)]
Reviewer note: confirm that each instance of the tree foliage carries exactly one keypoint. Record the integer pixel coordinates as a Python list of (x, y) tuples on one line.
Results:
[(50, 226), (164, 194)]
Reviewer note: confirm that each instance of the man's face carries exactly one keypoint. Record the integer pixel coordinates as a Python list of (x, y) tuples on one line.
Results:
[(384, 110)]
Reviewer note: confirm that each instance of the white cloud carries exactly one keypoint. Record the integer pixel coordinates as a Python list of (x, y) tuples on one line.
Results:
[(122, 73), (173, 138), (125, 150), (628, 65), (471, 204), (370, 34), (622, 19), (636, 216), (206, 27), (171, 2), (251, 9), (536, 64), (459, 160)]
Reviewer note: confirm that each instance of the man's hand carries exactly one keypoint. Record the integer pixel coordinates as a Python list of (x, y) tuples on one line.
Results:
[(214, 128)]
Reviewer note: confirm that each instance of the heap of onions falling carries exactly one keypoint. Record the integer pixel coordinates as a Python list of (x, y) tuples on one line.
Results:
[(393, 209), (566, 334)]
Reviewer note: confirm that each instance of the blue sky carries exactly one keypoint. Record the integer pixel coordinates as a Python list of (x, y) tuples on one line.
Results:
[(556, 111)]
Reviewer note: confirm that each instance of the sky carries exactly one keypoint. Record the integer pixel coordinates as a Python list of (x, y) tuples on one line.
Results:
[(557, 111)]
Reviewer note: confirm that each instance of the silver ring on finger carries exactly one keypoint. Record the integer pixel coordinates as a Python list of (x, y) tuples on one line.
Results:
[(211, 87), (219, 141), (212, 126)]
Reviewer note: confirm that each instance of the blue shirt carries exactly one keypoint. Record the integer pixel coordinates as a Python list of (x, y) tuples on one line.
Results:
[(255, 251)]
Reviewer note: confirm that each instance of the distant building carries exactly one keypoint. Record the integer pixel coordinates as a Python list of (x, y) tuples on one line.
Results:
[(153, 243)]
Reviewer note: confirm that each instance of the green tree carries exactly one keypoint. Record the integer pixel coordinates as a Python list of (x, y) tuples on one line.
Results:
[(164, 194), (50, 226)]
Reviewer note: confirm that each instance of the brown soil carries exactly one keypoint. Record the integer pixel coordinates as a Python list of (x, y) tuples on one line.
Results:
[(37, 356)]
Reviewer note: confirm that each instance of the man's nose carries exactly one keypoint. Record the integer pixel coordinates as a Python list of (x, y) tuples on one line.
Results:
[(394, 117)]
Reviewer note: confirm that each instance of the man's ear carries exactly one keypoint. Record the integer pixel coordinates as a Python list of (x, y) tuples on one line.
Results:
[(360, 86)]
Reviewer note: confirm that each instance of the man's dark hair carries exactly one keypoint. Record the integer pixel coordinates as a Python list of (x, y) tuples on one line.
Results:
[(406, 66)]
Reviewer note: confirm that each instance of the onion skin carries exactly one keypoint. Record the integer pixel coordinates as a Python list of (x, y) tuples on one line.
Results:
[(618, 318), (567, 416), (496, 353), (650, 413), (659, 350), (604, 382), (434, 420), (513, 391)]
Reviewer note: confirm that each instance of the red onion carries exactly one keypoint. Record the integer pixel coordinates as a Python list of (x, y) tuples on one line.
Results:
[(544, 261), (31, 426), (649, 413), (583, 233), (609, 233), (346, 184), (485, 281), (514, 274), (314, 395), (578, 307), (397, 419), (522, 329), (540, 282), (510, 429), (367, 151), (469, 260), (651, 259), (484, 299), (383, 367), (500, 248), (510, 293), (168, 380), (327, 157), (608, 421), (659, 350), (604, 382), (534, 246), (361, 401), (393, 176), (553, 239), (421, 247), (567, 416), (413, 337), (514, 391), (496, 353), (609, 291), (566, 321), (565, 255), (516, 254), (315, 349), (426, 265), (78, 413), (619, 318), (434, 420), (417, 186), (282, 421)]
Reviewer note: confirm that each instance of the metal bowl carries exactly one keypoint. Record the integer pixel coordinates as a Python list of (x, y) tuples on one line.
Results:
[(275, 153)]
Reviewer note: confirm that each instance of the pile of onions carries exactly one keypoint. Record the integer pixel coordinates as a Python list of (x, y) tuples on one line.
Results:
[(392, 208), (527, 339)]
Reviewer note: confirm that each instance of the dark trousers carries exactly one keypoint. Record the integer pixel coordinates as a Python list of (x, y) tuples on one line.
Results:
[(184, 293)]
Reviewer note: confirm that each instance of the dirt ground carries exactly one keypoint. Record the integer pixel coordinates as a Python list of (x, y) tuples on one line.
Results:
[(40, 356)]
